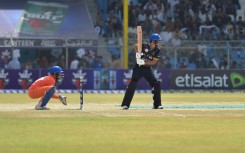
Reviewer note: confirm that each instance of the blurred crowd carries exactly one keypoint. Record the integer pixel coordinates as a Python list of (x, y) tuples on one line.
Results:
[(78, 58), (185, 19), (178, 21)]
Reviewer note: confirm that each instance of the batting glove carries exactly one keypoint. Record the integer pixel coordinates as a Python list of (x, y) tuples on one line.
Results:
[(138, 55), (140, 62)]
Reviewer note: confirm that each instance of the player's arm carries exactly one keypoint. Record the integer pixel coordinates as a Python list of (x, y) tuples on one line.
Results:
[(137, 53), (153, 62)]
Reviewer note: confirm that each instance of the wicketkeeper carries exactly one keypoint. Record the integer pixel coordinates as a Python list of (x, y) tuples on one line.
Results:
[(44, 88), (147, 58)]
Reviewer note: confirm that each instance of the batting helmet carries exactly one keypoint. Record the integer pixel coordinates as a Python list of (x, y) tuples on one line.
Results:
[(55, 69), (155, 36)]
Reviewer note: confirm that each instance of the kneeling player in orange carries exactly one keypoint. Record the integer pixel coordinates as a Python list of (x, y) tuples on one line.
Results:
[(44, 88)]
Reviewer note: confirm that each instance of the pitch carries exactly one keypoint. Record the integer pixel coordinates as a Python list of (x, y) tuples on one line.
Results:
[(103, 127)]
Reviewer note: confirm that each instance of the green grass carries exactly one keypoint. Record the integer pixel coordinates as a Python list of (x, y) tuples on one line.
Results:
[(101, 127)]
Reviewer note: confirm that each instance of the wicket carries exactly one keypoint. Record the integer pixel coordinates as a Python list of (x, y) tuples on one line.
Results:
[(81, 92)]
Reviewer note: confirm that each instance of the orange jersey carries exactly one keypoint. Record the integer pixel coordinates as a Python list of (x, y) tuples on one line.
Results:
[(44, 81), (41, 86)]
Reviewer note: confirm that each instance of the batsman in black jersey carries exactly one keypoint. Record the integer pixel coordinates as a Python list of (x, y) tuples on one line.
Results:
[(148, 57)]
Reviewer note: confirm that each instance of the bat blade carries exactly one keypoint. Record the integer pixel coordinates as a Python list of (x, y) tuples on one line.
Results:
[(139, 38)]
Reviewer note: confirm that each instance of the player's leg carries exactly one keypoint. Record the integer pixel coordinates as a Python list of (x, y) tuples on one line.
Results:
[(44, 93), (156, 88), (40, 92), (131, 88), (129, 94), (156, 91), (47, 96)]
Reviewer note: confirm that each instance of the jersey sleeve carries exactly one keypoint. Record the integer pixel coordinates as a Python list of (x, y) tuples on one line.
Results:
[(145, 47), (157, 53), (149, 54)]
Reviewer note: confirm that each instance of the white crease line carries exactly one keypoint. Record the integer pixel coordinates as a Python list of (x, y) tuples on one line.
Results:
[(106, 114), (179, 115)]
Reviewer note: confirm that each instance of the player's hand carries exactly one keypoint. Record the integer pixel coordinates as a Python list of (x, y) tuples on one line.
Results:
[(138, 55), (140, 62)]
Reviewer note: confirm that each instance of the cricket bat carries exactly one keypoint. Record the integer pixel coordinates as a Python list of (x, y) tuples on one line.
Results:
[(139, 42)]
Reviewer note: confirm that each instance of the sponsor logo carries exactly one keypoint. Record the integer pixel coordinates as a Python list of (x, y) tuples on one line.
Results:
[(157, 75), (77, 76), (113, 79), (237, 80), (127, 77), (25, 79), (206, 81), (3, 79)]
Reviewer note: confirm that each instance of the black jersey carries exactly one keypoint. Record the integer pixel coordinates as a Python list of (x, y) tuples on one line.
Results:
[(148, 54)]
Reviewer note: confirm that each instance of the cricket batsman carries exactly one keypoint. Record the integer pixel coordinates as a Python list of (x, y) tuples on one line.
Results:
[(44, 88), (149, 57)]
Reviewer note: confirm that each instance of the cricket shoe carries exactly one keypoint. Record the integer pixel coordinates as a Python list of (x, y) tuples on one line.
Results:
[(62, 99), (125, 107), (158, 107), (39, 107)]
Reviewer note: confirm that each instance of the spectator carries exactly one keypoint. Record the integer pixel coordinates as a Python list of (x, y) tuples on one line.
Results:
[(62, 61), (230, 9), (223, 63), (28, 65), (229, 30), (166, 64), (147, 26), (84, 62), (219, 4), (74, 62), (210, 8), (118, 11), (233, 65), (213, 64), (167, 35), (114, 63), (198, 59), (97, 62), (141, 16), (44, 62), (177, 37), (4, 59), (131, 58), (240, 27), (172, 4), (183, 64), (132, 16), (236, 4), (150, 7), (160, 13), (156, 23), (169, 24)]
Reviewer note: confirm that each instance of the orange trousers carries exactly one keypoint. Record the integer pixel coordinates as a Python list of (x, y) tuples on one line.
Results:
[(40, 92)]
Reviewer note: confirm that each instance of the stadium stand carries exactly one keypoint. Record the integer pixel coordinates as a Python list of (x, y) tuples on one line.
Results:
[(200, 21), (185, 25)]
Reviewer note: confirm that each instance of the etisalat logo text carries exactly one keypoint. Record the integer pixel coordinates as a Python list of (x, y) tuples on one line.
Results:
[(191, 80)]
